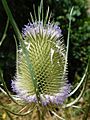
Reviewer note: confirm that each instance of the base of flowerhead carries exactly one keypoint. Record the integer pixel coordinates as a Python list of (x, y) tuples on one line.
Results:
[(45, 99)]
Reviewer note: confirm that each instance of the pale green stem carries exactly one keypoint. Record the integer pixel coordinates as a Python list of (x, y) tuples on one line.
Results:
[(79, 84), (84, 86), (68, 37), (57, 115), (19, 37), (16, 53), (4, 34), (6, 90), (3, 91), (77, 99)]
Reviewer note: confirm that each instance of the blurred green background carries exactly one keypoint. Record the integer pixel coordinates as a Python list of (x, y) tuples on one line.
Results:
[(79, 39)]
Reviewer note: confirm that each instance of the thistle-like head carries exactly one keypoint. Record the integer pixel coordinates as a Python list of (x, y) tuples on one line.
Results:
[(47, 56)]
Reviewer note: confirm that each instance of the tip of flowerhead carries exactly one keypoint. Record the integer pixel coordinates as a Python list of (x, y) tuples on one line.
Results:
[(36, 27)]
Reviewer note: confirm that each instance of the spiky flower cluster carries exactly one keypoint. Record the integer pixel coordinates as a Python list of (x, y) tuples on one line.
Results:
[(44, 44)]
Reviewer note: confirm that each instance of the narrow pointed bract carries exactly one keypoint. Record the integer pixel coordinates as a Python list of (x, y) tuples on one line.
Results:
[(44, 44)]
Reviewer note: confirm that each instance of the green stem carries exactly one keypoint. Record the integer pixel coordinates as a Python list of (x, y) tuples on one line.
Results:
[(60, 118), (19, 37), (9, 14), (78, 98), (83, 89), (4, 34), (68, 37), (81, 81), (6, 90)]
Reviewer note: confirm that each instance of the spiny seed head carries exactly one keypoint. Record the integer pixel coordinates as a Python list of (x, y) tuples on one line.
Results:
[(46, 54)]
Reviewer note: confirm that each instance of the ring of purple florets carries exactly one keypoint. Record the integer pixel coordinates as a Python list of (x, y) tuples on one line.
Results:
[(34, 28), (58, 98)]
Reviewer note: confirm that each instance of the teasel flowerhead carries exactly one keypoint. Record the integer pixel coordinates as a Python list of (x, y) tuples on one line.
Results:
[(47, 80)]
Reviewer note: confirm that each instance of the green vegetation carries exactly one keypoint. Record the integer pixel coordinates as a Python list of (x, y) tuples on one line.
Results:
[(79, 53)]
